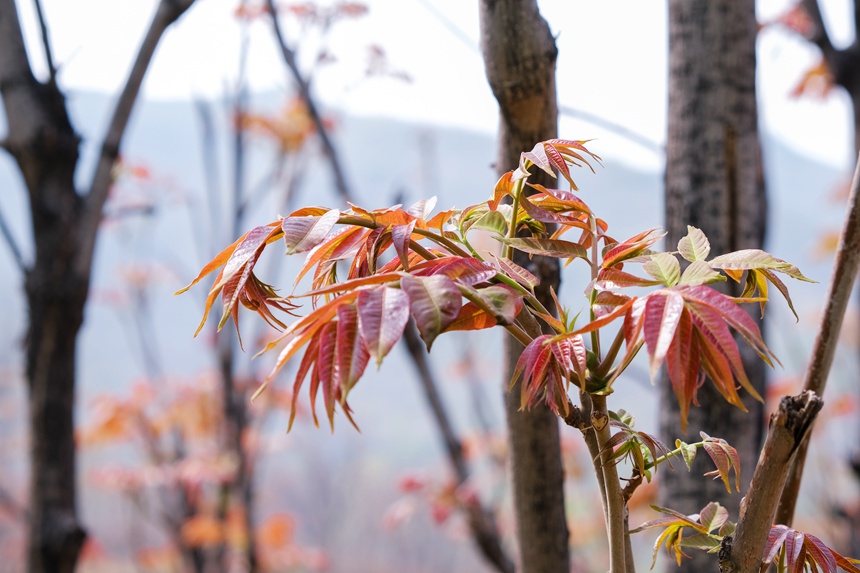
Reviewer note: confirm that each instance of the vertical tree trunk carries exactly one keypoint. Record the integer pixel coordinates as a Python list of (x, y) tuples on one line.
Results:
[(714, 182), (65, 224), (520, 57)]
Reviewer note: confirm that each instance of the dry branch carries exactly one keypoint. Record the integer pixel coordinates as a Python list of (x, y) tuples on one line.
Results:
[(841, 283), (482, 522), (168, 12), (330, 152), (789, 427)]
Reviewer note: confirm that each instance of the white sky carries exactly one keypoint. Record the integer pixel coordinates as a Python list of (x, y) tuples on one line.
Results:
[(612, 64)]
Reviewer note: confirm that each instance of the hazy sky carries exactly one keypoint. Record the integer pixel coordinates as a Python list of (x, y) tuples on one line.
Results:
[(612, 64)]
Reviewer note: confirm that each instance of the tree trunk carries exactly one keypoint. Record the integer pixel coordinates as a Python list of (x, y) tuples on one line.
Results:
[(714, 182), (45, 146), (520, 56)]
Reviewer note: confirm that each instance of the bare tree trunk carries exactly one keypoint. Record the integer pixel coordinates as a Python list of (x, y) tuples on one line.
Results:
[(65, 224), (520, 58), (714, 182)]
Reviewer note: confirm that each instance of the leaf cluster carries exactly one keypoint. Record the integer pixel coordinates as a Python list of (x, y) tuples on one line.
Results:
[(408, 263)]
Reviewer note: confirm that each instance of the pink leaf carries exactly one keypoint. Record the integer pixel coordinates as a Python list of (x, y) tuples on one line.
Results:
[(382, 316), (435, 302)]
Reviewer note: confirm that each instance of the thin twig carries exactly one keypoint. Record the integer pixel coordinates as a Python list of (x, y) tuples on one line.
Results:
[(841, 283), (12, 243), (168, 12), (482, 522), (789, 427), (46, 43), (289, 57)]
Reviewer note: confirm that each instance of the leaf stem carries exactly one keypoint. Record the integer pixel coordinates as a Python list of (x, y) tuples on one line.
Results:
[(516, 331), (445, 242), (606, 365), (515, 205), (595, 334), (614, 497)]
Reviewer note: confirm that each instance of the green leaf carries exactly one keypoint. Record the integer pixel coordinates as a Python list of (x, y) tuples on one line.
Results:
[(713, 516), (664, 267), (756, 259), (435, 303), (694, 246), (688, 452), (701, 541), (700, 273), (492, 221)]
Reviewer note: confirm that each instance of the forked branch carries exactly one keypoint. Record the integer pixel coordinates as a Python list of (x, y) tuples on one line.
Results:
[(841, 284), (789, 427), (168, 12)]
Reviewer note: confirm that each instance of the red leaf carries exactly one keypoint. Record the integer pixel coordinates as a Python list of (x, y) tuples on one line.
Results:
[(337, 247), (516, 272), (632, 247), (435, 303), (663, 310), (548, 247), (304, 233), (610, 279), (600, 322), (468, 271), (504, 187), (352, 355), (382, 316), (544, 216), (717, 336), (605, 302), (732, 313), (355, 284), (471, 317), (682, 364), (327, 369), (400, 236), (308, 360)]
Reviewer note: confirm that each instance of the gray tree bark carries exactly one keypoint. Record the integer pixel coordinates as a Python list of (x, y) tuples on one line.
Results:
[(520, 58), (65, 224), (713, 181)]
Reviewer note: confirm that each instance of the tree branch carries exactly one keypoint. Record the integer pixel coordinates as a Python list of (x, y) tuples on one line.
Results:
[(841, 283), (481, 521), (13, 244), (168, 12), (608, 472), (46, 43), (289, 57), (789, 427)]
